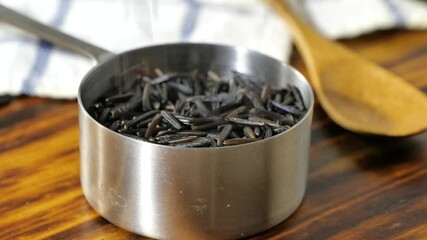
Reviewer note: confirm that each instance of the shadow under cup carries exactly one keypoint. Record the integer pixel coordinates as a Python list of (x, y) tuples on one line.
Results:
[(193, 193)]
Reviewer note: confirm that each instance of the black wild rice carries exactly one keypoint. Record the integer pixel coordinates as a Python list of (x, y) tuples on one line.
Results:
[(197, 109)]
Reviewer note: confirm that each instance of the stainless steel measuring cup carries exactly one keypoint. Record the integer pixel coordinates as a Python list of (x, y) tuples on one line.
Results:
[(179, 193)]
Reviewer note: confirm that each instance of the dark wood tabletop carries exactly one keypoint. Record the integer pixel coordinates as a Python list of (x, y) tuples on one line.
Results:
[(359, 187)]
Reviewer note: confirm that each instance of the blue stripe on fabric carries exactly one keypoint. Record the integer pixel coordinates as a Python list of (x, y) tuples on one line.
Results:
[(190, 19), (44, 51), (397, 14)]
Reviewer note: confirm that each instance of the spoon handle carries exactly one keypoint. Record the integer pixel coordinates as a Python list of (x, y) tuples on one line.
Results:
[(51, 35), (306, 39)]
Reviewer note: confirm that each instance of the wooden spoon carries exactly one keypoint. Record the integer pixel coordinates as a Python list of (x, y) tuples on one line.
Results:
[(356, 93)]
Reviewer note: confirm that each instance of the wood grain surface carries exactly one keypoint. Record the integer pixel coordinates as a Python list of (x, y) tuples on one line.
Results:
[(359, 187)]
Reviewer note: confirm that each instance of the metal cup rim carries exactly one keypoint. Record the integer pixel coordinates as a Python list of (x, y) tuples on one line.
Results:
[(202, 149)]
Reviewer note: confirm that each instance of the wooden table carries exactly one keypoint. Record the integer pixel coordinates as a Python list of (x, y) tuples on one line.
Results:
[(359, 187)]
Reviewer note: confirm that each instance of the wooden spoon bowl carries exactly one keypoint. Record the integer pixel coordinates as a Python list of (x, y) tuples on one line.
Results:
[(355, 93)]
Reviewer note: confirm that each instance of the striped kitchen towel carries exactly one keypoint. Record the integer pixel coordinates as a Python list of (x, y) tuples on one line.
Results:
[(34, 67)]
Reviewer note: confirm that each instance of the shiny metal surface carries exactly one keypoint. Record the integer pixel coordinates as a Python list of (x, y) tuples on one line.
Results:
[(173, 193)]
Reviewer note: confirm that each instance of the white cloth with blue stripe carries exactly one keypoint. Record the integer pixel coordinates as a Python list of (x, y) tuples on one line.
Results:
[(30, 66)]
